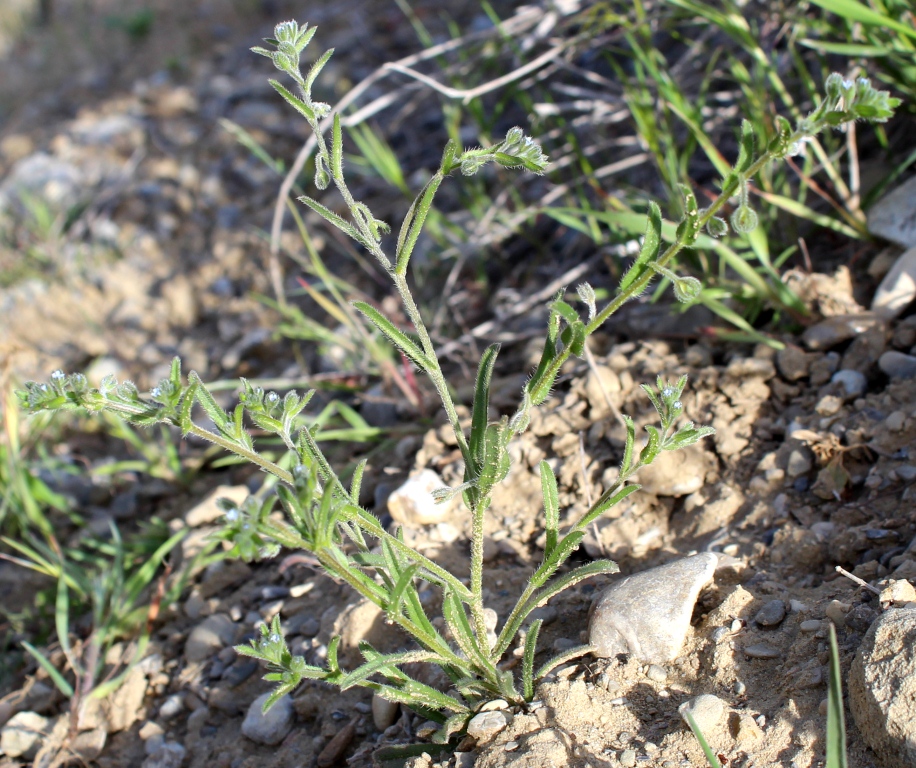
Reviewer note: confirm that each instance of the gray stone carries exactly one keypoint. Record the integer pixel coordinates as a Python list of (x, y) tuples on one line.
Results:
[(89, 744), (800, 461), (898, 288), (627, 758), (412, 503), (58, 182), (384, 712), (793, 363), (657, 673), (810, 625), (154, 743), (837, 329), (23, 734), (893, 217), (648, 614), (172, 707), (882, 688), (486, 725), (240, 671), (772, 614), (209, 637), (706, 710), (268, 727), (897, 365), (854, 383), (762, 651), (169, 755)]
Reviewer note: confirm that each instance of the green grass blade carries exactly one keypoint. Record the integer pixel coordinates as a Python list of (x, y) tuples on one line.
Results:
[(62, 685), (704, 745), (856, 11), (836, 722)]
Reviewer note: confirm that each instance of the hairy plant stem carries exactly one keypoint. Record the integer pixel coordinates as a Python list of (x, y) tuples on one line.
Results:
[(672, 250), (436, 644)]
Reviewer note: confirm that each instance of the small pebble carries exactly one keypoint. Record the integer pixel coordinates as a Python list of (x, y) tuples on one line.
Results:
[(854, 383), (836, 611), (761, 651), (897, 365), (172, 706), (811, 625), (706, 710), (657, 673), (740, 688), (486, 725), (895, 421), (627, 758), (772, 614)]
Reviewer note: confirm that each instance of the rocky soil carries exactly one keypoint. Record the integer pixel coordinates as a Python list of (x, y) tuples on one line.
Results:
[(735, 542)]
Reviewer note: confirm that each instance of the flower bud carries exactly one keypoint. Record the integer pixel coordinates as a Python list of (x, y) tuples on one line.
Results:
[(717, 227), (744, 219)]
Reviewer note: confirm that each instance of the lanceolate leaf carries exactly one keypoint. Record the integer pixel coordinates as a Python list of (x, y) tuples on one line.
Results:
[(531, 640), (604, 505), (649, 251), (380, 662), (316, 69), (551, 506), (746, 153), (413, 223), (298, 104), (565, 547), (337, 149), (482, 402), (342, 224), (400, 339), (404, 583)]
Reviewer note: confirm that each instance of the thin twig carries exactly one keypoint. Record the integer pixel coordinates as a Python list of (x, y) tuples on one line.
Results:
[(471, 93), (852, 577)]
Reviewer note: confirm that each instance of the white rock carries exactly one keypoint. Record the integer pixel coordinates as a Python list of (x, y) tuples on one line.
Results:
[(486, 725), (271, 727), (412, 504), (207, 511), (882, 688), (648, 614), (23, 734), (706, 711), (384, 712), (893, 217), (898, 288)]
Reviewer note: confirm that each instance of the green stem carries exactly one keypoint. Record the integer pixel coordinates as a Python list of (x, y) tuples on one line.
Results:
[(435, 374), (433, 643), (672, 250), (240, 450), (480, 624)]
